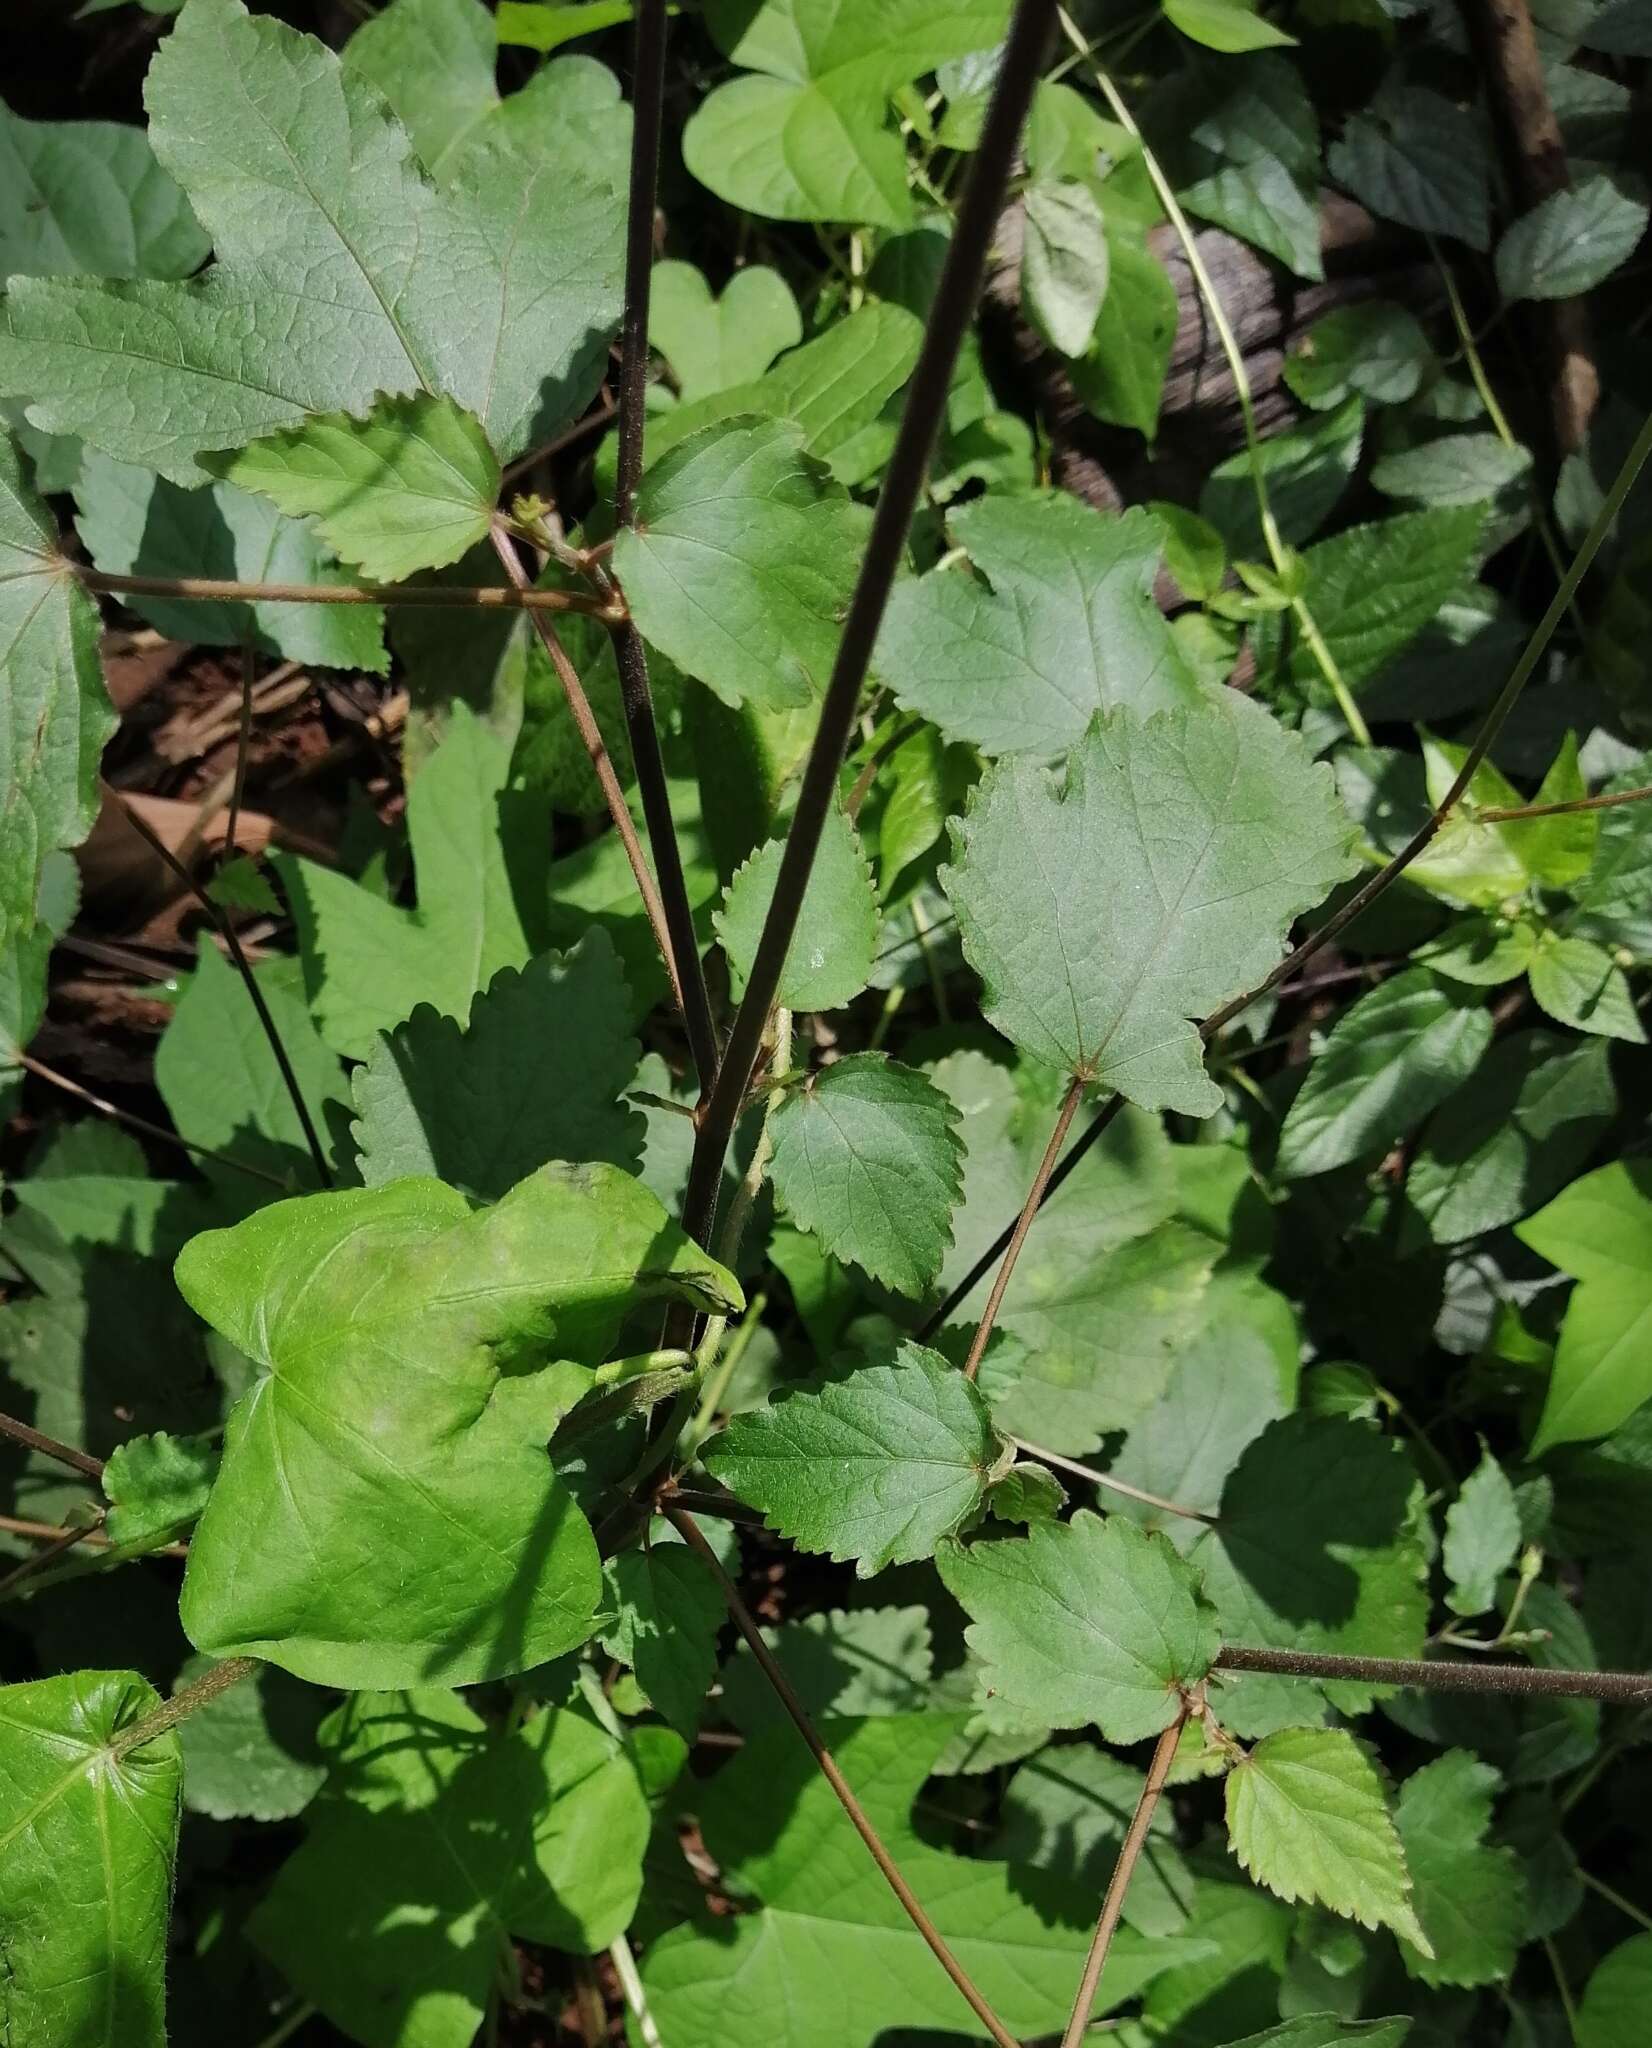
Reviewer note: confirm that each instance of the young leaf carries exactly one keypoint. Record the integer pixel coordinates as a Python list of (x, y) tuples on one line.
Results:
[(830, 959), (89, 1844), (54, 711), (1482, 1537), (1087, 1623), (878, 1467), (1308, 1817), (1600, 1231), (1226, 25), (251, 1753), (408, 487), (742, 560), (667, 1611), (867, 1156), (1063, 262), (1158, 884), (715, 343), (1570, 242), (538, 1073), (1058, 622), (1469, 1897), (1418, 158), (1393, 1056), (398, 1421), (156, 1487), (437, 1838)]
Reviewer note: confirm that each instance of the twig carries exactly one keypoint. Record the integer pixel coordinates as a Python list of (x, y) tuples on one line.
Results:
[(1626, 1907), (1024, 1223), (243, 750), (48, 1447), (1632, 1688), (96, 1537), (49, 1554), (1106, 1479), (1577, 803), (949, 317), (570, 437), (216, 590), (691, 1534), (1164, 1755), (722, 1505), (159, 1132), (182, 1704), (625, 1969)]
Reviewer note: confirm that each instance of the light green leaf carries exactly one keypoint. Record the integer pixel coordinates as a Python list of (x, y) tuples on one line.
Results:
[(1600, 1231), (1612, 2012), (1087, 1623), (715, 343), (538, 1073), (54, 711), (1308, 1817), (1376, 349), (156, 1487), (1469, 1897), (1417, 158), (1570, 242), (251, 1753), (434, 61), (1324, 2030), (1560, 851), (667, 1609), (548, 24), (1063, 262), (437, 1838), (1226, 25), (1579, 983), (386, 1506), (830, 960), (877, 1467), (1121, 376), (1393, 1056), (87, 1846), (1482, 1537), (829, 1959), (408, 487), (1067, 1811), (867, 1156), (134, 522), (87, 199), (341, 273), (808, 138), (1160, 883), (742, 561), (1456, 469), (1056, 622)]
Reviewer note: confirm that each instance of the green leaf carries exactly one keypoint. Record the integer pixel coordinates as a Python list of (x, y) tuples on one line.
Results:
[(1570, 242), (341, 273), (1160, 883), (1613, 2006), (156, 1487), (867, 1156), (1121, 376), (1600, 1231), (1324, 2030), (1469, 1897), (1457, 469), (538, 1073), (667, 1611), (542, 25), (829, 1959), (1482, 1537), (830, 960), (1087, 1623), (1226, 25), (712, 343), (863, 1660), (1579, 983), (1056, 623), (452, 1550), (87, 199), (1067, 1811), (1417, 158), (134, 522), (1306, 470), (434, 1841), (742, 561), (878, 1467), (434, 61), (1063, 262), (1393, 1056), (251, 1752), (1308, 1817), (1376, 349), (808, 137), (1560, 851), (367, 963), (408, 487), (87, 1846), (1241, 141), (54, 711), (23, 963)]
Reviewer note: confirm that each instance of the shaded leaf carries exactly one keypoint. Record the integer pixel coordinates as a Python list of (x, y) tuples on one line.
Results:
[(1570, 242), (1417, 158), (830, 958), (251, 1753), (667, 1611), (1469, 1897)]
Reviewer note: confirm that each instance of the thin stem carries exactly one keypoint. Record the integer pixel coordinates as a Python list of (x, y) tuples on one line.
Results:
[(582, 429), (48, 1447), (285, 2029), (1626, 1907), (1106, 1479), (243, 750), (697, 1501), (232, 941), (1514, 813), (716, 1381), (1568, 2004), (1024, 1223), (949, 318), (1633, 1688), (182, 1704), (636, 1999), (49, 1555), (691, 1534), (216, 590), (159, 1132), (1164, 1755)]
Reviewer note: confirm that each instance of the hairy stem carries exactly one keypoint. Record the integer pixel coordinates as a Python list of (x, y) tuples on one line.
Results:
[(182, 1704), (691, 1534), (1024, 1223), (1515, 812), (1106, 1479), (217, 590), (58, 1547), (1633, 1688), (48, 1447)]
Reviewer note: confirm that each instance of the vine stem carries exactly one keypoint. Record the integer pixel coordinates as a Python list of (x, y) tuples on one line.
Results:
[(1164, 1755), (159, 1132), (48, 1447), (182, 1704), (1106, 1479), (631, 658), (1024, 1223), (1278, 553), (217, 590), (956, 294), (1632, 1688), (691, 1533), (58, 1547), (1513, 813)]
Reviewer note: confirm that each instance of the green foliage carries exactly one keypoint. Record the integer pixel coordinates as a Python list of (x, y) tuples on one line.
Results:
[(829, 960), (1469, 1897), (1570, 242)]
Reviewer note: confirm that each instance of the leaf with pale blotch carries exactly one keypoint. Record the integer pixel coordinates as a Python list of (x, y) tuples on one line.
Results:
[(1105, 919), (386, 1512), (829, 961), (1469, 1896), (1087, 1623), (1308, 1817), (408, 487), (1063, 262), (879, 1466)]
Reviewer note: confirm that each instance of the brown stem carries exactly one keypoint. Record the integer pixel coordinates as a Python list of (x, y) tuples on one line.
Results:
[(1106, 1479), (49, 1447), (581, 430), (214, 590), (159, 1132), (1164, 1755), (64, 1541), (950, 313), (1024, 1223), (95, 1537), (1629, 1688), (1577, 803), (690, 1532), (182, 1704)]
